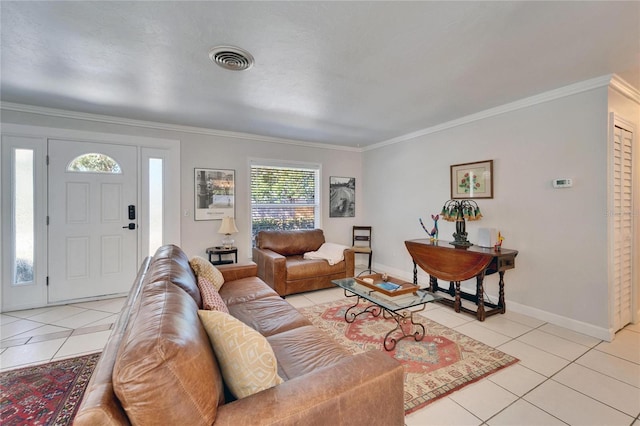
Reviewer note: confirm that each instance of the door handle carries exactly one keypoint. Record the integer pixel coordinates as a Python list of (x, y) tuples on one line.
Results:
[(130, 226)]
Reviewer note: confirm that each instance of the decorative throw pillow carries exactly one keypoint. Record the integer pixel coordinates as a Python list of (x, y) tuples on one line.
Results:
[(202, 267), (211, 299), (246, 359)]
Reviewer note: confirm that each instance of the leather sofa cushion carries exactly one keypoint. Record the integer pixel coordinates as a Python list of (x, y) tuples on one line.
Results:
[(245, 289), (165, 370), (303, 350), (288, 243), (171, 263), (299, 268), (268, 315)]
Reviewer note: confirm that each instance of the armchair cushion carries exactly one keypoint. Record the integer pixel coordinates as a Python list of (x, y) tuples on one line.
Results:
[(289, 243)]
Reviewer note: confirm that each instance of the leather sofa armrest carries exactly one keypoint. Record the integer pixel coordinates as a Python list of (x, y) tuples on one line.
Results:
[(234, 271), (350, 263), (272, 268), (367, 386)]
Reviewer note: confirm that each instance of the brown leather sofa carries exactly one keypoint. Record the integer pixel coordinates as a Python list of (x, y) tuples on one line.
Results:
[(279, 256), (158, 367)]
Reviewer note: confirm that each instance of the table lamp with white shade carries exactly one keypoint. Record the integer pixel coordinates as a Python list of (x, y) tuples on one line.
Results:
[(227, 228)]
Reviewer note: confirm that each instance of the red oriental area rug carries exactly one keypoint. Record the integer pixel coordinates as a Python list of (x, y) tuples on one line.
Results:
[(47, 394), (441, 363)]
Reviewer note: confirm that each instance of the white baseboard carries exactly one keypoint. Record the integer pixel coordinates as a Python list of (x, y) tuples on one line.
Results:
[(562, 321), (555, 319)]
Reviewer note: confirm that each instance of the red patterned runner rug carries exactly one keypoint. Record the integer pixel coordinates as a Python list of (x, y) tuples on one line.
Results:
[(443, 362), (46, 394)]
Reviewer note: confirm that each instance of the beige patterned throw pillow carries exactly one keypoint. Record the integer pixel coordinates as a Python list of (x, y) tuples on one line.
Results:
[(246, 359), (202, 267)]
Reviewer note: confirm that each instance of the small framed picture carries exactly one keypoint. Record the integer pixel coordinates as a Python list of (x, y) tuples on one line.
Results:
[(342, 196), (214, 193), (472, 180)]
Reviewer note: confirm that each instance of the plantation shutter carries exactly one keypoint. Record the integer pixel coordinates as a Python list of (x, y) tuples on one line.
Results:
[(622, 227)]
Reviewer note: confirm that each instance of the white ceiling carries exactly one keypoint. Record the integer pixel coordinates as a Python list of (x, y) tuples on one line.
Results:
[(344, 73)]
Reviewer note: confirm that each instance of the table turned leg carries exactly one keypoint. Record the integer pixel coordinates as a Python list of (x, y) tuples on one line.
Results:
[(503, 306), (456, 302), (480, 313), (433, 284)]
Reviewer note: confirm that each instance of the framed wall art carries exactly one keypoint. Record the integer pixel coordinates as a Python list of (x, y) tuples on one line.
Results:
[(342, 196), (214, 193), (472, 180)]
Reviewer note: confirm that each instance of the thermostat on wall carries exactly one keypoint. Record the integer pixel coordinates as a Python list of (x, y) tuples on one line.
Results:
[(562, 183)]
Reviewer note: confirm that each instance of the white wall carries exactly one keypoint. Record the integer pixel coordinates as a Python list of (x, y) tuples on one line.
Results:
[(210, 150), (561, 269), (220, 152)]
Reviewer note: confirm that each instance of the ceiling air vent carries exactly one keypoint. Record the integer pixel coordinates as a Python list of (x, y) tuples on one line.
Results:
[(231, 58)]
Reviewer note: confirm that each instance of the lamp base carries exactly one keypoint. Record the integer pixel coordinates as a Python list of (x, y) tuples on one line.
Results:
[(227, 241), (461, 244), (460, 240)]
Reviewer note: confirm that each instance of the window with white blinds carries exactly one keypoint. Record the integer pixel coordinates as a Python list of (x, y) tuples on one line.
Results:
[(284, 197)]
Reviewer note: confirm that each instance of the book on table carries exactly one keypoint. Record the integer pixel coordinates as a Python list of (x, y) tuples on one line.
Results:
[(389, 286)]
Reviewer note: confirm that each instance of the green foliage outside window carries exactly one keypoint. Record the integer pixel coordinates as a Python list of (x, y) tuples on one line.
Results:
[(282, 198), (94, 162)]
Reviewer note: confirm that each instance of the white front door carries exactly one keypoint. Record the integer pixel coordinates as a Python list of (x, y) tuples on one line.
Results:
[(93, 234)]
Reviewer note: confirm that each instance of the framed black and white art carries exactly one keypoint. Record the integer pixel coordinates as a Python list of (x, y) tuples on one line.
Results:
[(214, 193), (342, 196)]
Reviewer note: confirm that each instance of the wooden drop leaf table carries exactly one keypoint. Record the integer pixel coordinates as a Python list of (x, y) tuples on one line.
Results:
[(442, 260)]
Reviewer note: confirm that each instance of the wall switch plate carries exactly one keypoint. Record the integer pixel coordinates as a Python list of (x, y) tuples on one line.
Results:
[(562, 183)]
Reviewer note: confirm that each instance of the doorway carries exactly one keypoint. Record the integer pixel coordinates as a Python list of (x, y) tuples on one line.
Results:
[(92, 216), (31, 198)]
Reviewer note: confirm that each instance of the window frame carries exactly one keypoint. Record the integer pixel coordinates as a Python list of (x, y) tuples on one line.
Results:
[(280, 164)]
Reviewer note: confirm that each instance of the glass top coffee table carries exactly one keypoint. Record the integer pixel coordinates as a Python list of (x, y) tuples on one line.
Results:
[(395, 307)]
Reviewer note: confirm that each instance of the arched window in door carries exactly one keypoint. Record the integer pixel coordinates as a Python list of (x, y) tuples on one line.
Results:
[(94, 163)]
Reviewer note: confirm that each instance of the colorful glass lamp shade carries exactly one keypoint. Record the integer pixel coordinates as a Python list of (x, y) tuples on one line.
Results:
[(458, 211)]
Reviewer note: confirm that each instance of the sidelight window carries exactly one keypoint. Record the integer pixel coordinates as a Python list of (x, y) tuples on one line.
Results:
[(23, 216)]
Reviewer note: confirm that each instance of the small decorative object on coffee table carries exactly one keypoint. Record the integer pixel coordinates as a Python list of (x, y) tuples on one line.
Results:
[(390, 303)]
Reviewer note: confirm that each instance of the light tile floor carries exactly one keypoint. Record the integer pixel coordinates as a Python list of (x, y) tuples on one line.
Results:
[(562, 378)]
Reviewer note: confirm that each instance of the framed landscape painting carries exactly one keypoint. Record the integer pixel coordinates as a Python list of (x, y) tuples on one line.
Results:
[(214, 193), (472, 180)]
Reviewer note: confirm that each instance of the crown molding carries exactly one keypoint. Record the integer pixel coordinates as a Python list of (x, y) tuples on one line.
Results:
[(611, 80), (107, 119), (625, 89), (551, 95)]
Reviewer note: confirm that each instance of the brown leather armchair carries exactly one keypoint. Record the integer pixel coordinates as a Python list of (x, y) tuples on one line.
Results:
[(279, 256)]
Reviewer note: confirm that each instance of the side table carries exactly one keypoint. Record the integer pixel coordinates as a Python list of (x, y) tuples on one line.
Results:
[(219, 250), (455, 265)]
